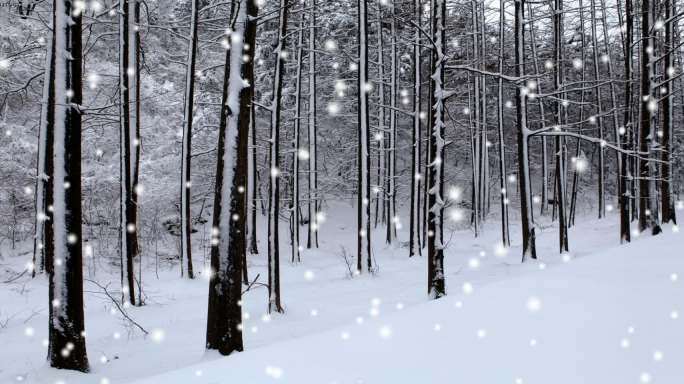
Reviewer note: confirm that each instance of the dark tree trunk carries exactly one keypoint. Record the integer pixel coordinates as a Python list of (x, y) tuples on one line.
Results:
[(67, 347), (224, 319), (186, 178)]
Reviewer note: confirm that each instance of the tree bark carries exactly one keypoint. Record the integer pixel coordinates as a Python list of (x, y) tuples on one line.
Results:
[(67, 347), (224, 319)]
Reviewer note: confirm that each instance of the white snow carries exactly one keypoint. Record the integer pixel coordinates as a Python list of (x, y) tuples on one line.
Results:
[(610, 314)]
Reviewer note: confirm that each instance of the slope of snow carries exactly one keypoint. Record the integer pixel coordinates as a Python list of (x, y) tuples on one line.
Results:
[(611, 318), (584, 309)]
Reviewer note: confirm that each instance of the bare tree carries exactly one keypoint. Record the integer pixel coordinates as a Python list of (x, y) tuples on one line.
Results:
[(67, 347), (224, 319)]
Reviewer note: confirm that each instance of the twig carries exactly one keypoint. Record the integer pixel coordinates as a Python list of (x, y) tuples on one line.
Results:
[(116, 303)]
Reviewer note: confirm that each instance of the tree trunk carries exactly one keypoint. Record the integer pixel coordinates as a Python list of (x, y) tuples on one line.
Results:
[(312, 240), (186, 155), (528, 233), (67, 346), (436, 284), (363, 251), (224, 319), (667, 202), (41, 243), (414, 223), (128, 119), (297, 153), (626, 175), (505, 233), (559, 80), (648, 106), (274, 179)]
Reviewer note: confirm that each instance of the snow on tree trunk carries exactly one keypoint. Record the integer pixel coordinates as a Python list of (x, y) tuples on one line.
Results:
[(297, 152), (224, 319), (67, 347), (129, 111), (627, 128), (436, 285), (392, 218), (274, 179), (505, 233), (186, 152), (559, 80), (252, 185), (528, 233), (381, 195), (414, 224), (599, 115), (312, 239), (647, 111), (667, 202), (363, 192), (44, 163)]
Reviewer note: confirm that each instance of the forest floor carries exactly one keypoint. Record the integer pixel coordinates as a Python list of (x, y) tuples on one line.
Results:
[(603, 313)]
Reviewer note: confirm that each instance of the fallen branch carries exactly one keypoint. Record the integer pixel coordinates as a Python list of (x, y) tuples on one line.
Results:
[(118, 306)]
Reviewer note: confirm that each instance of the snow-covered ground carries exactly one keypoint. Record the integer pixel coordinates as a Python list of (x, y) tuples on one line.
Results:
[(603, 314)]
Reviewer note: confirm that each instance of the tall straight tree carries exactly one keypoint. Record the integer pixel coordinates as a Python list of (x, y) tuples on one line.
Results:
[(66, 346), (559, 80), (224, 319), (186, 153), (381, 197), (648, 106), (297, 153), (505, 233), (599, 114), (312, 239), (416, 142), (667, 202), (391, 209), (252, 186), (435, 223), (627, 127), (363, 251), (129, 118), (43, 225), (523, 133), (274, 179)]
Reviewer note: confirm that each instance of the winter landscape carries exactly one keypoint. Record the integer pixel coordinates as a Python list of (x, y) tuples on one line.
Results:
[(341, 192)]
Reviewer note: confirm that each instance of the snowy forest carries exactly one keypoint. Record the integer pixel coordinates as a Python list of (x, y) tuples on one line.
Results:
[(341, 191)]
